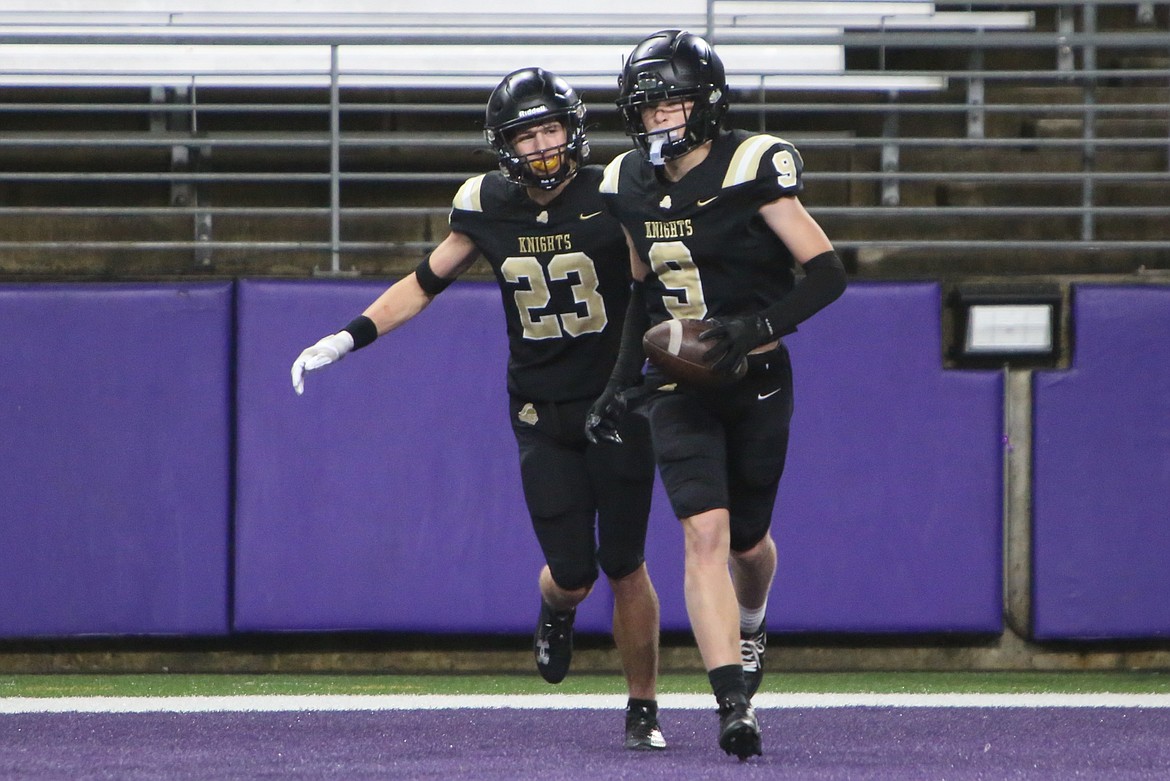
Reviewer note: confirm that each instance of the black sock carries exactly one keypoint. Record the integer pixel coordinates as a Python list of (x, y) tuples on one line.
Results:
[(559, 613), (646, 706), (727, 680)]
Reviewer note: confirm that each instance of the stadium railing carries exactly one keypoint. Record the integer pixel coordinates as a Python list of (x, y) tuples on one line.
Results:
[(938, 137)]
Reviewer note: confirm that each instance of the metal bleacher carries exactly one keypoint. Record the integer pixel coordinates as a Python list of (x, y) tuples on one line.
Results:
[(267, 137)]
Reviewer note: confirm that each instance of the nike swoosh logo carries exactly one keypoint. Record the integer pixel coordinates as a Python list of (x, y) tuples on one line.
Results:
[(589, 216), (705, 201), (762, 396)]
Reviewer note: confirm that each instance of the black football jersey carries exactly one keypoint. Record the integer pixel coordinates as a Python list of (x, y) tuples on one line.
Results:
[(709, 250), (563, 271)]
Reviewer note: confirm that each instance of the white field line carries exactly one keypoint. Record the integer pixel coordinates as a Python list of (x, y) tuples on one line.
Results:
[(364, 702)]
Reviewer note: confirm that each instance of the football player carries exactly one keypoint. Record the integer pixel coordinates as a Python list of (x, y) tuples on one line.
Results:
[(563, 268), (716, 231)]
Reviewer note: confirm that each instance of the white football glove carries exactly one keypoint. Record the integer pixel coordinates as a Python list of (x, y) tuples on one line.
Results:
[(329, 350)]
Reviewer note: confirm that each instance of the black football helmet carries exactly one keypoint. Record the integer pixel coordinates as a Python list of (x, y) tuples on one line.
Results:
[(526, 97), (669, 65)]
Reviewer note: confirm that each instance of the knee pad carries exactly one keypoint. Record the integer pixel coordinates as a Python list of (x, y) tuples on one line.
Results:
[(695, 495), (751, 513), (618, 566), (745, 536), (572, 575)]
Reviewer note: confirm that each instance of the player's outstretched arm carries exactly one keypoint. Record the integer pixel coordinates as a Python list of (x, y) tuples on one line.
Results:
[(398, 304), (327, 350)]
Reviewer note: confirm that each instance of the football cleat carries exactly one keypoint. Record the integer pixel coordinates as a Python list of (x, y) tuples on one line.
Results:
[(642, 730), (739, 732), (553, 642), (751, 654)]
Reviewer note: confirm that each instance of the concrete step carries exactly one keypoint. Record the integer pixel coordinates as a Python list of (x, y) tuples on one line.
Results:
[(1068, 158), (1055, 194), (1005, 263), (939, 226), (1108, 127)]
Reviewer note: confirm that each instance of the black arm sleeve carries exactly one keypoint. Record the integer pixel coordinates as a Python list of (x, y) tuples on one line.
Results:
[(824, 282), (628, 369)]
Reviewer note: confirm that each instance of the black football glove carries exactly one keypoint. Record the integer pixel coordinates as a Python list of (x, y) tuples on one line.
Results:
[(604, 417), (734, 338)]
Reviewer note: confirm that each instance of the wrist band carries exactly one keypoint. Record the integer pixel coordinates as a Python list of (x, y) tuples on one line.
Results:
[(363, 331)]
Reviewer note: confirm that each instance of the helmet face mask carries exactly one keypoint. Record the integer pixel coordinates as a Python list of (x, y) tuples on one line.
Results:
[(666, 142), (531, 97), (666, 66), (540, 165)]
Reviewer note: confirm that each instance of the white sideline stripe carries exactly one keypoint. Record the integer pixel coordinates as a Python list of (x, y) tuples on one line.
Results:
[(364, 702)]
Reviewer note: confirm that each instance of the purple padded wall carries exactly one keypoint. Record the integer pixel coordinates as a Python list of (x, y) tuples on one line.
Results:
[(114, 408), (889, 515), (388, 496), (1101, 497)]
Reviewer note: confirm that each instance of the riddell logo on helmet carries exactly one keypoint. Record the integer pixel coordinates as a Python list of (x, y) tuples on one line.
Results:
[(536, 110)]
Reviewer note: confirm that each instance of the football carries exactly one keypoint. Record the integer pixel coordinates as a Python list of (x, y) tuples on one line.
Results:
[(674, 347)]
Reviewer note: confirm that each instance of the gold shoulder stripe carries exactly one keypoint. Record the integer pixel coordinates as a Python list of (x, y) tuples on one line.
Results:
[(746, 160), (467, 199), (609, 181)]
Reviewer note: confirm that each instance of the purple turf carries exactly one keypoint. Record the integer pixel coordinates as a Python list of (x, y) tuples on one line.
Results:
[(853, 744)]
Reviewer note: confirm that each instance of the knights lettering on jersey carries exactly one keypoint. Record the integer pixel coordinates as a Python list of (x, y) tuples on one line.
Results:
[(558, 242), (672, 229)]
